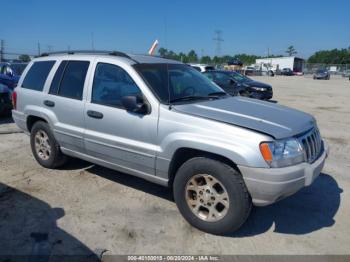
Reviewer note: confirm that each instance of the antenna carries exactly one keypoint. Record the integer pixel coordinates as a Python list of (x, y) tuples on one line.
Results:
[(218, 39)]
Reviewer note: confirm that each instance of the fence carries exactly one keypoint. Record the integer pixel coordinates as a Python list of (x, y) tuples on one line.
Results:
[(335, 69)]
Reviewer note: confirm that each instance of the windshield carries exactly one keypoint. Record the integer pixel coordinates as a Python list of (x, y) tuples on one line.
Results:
[(18, 68), (239, 78), (320, 71), (175, 82)]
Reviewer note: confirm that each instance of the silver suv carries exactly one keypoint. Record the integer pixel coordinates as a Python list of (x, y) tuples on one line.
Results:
[(165, 122)]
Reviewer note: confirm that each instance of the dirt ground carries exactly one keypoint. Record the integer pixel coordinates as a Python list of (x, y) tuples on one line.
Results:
[(86, 209)]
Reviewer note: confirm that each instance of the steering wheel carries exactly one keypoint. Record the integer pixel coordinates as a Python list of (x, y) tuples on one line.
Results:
[(188, 91)]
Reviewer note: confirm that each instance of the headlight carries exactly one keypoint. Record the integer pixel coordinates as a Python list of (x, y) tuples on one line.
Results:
[(259, 88), (282, 153)]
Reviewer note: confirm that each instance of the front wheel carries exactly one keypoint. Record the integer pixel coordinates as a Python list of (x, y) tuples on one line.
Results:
[(244, 93), (45, 147), (211, 195)]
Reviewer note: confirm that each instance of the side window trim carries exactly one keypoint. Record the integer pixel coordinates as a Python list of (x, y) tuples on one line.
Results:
[(93, 81)]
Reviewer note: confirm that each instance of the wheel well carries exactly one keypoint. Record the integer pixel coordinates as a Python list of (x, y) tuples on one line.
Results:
[(183, 154), (31, 121)]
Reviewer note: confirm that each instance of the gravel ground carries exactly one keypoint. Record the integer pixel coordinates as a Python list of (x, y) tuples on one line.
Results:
[(86, 209)]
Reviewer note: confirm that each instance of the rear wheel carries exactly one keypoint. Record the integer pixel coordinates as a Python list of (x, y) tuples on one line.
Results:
[(45, 147), (211, 195)]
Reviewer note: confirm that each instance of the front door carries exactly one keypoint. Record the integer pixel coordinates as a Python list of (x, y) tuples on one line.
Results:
[(114, 136)]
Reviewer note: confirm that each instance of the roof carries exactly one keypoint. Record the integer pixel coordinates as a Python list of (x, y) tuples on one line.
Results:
[(131, 58), (278, 58)]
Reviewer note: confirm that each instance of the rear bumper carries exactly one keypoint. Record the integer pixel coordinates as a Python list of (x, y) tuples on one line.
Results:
[(20, 120), (268, 185)]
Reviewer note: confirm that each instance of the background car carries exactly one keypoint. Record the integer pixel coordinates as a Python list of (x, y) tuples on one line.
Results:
[(236, 84), (346, 73), (322, 74), (287, 72), (5, 100), (202, 67), (10, 73)]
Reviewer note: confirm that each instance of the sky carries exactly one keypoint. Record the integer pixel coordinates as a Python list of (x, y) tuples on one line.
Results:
[(131, 26)]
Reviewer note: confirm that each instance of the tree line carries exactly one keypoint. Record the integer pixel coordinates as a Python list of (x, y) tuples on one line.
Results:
[(334, 56)]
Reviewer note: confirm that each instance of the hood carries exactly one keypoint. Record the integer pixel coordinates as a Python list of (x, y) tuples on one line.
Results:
[(266, 117)]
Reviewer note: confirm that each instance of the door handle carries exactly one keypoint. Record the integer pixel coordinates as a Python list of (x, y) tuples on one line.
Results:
[(94, 114), (49, 103)]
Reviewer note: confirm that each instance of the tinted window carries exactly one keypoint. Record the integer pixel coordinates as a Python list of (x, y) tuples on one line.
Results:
[(37, 74), (72, 83), (222, 78), (18, 68), (111, 83), (57, 78), (178, 79), (209, 75)]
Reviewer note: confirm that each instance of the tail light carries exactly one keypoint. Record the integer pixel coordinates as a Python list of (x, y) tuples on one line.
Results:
[(14, 100)]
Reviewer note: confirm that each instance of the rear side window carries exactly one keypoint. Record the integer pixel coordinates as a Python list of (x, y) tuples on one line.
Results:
[(37, 74), (69, 79)]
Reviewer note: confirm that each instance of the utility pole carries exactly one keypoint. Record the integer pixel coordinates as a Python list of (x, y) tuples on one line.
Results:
[(2, 47), (39, 52), (218, 39)]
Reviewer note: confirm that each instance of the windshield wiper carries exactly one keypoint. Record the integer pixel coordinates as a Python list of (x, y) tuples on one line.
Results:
[(189, 98), (216, 94)]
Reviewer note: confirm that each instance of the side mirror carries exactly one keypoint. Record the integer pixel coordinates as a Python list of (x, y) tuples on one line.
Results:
[(135, 104), (9, 73), (232, 82)]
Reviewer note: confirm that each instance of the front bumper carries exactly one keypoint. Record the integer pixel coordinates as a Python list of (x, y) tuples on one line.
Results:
[(268, 185), (266, 95)]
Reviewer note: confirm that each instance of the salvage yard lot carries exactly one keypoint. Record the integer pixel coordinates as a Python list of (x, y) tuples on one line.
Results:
[(84, 208)]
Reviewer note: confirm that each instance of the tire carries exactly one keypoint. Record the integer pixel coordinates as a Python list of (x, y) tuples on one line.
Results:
[(244, 93), (238, 202), (55, 158)]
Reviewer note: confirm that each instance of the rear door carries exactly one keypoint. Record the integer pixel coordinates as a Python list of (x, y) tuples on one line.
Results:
[(66, 99)]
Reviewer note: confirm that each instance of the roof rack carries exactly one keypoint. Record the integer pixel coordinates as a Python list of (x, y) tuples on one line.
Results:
[(72, 52)]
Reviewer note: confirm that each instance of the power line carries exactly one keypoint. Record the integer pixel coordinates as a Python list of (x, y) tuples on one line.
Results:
[(218, 39)]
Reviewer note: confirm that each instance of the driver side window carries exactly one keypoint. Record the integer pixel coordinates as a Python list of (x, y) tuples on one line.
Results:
[(222, 77), (111, 84)]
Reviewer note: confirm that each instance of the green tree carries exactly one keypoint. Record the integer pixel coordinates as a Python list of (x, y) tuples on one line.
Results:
[(205, 60), (24, 58), (334, 56), (192, 56), (291, 50)]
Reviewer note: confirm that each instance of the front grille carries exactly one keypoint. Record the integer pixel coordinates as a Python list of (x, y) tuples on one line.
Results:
[(312, 144)]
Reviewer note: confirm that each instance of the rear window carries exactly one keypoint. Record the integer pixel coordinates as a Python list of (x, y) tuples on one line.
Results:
[(69, 79), (37, 74)]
